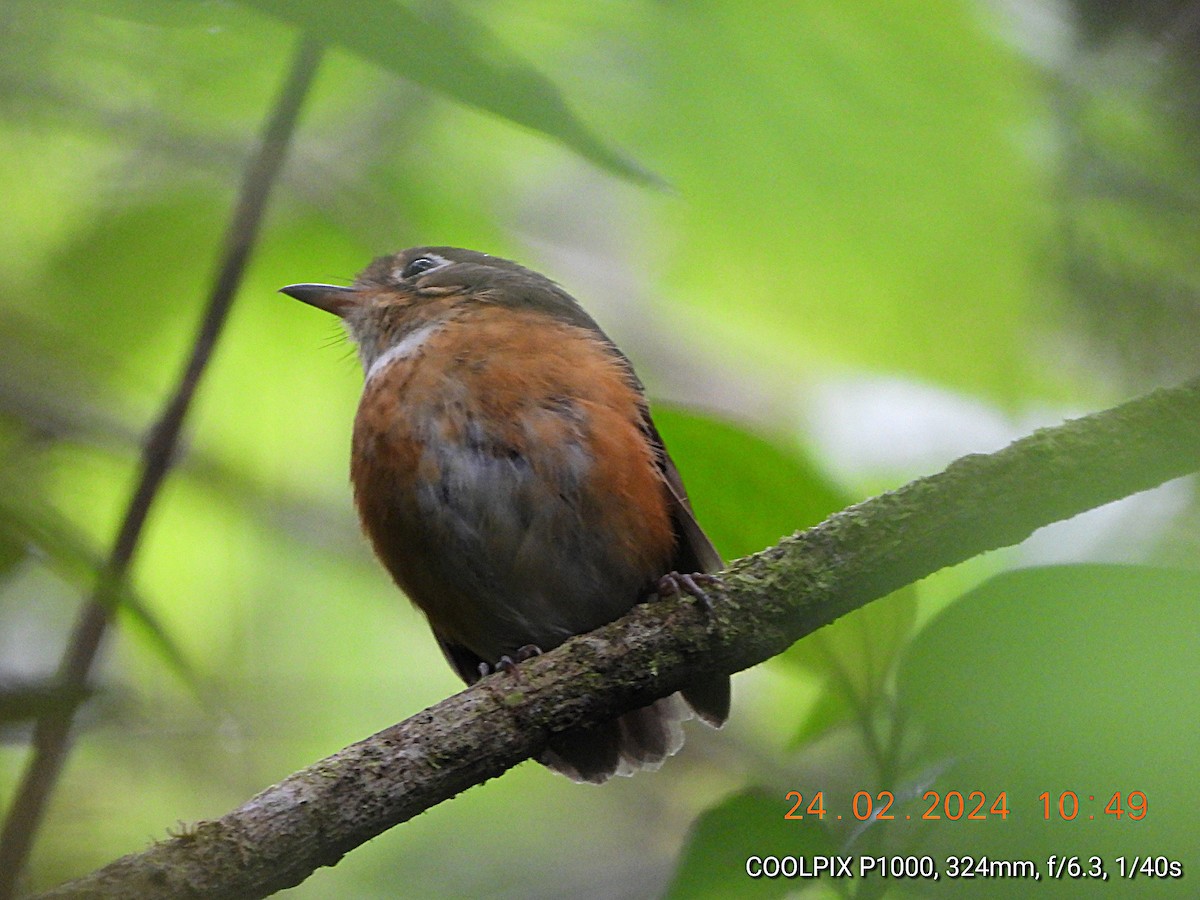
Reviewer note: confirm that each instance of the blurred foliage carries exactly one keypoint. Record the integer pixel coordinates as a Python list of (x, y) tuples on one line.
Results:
[(999, 200), (1116, 643), (1131, 197), (714, 864)]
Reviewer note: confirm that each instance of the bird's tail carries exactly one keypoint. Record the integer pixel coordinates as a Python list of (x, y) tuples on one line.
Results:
[(638, 740)]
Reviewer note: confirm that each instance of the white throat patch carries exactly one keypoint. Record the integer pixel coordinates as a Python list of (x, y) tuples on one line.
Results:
[(407, 346)]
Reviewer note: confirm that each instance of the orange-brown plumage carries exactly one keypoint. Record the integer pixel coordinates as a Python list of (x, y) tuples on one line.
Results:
[(509, 476)]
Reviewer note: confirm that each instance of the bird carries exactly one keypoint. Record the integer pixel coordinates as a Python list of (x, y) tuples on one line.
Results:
[(509, 476)]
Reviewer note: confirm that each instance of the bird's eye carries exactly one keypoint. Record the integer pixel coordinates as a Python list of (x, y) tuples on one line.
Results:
[(419, 265)]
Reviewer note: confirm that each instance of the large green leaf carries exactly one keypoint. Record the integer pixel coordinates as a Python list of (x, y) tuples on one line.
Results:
[(1068, 678), (748, 490), (442, 48)]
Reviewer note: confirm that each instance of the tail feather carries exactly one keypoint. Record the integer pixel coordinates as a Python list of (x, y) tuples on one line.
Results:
[(586, 754), (709, 699), (638, 740), (651, 734)]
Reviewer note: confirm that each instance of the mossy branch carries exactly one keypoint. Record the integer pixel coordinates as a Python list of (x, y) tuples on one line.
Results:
[(765, 603)]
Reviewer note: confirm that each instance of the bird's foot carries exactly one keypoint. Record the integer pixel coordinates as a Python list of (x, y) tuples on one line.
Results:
[(674, 583), (508, 663)]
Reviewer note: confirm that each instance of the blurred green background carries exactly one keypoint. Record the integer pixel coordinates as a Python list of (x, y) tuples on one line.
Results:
[(843, 244)]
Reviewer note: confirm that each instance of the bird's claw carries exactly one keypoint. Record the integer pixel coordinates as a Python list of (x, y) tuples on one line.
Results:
[(674, 583), (508, 663)]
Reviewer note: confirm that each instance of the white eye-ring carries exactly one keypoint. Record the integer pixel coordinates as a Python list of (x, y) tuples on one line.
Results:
[(426, 262)]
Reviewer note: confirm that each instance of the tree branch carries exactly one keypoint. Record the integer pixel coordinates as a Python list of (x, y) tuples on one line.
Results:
[(52, 732), (765, 603)]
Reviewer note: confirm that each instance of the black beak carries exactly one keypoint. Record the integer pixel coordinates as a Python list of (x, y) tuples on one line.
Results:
[(329, 297)]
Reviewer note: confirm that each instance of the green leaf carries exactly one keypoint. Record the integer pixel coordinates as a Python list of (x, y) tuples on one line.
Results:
[(441, 48), (172, 14), (1066, 678), (747, 490), (831, 709), (751, 823)]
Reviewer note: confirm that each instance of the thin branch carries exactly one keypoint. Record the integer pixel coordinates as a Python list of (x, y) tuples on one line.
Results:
[(52, 733), (764, 604)]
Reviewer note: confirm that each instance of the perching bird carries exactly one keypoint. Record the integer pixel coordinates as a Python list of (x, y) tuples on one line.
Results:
[(508, 473)]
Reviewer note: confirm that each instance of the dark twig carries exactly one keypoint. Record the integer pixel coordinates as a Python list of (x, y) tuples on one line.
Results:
[(761, 605), (52, 732)]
